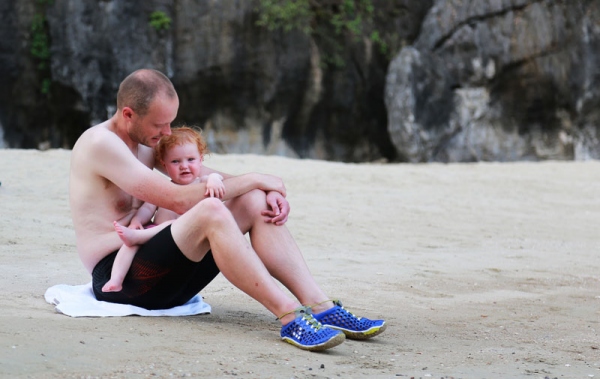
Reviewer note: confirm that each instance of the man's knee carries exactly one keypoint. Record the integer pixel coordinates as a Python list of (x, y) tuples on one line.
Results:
[(211, 210), (249, 206), (255, 200)]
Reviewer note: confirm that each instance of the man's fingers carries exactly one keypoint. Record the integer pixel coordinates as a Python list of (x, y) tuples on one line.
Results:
[(269, 215), (275, 207), (279, 219)]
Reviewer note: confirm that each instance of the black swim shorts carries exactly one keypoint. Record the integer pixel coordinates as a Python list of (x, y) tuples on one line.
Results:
[(160, 276)]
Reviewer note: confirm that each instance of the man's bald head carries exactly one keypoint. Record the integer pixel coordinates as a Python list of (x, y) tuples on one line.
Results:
[(138, 90)]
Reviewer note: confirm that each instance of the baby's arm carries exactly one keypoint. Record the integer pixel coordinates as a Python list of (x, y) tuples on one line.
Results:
[(164, 215), (142, 216), (214, 185)]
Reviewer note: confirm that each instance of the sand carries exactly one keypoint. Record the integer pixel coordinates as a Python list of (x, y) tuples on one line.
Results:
[(481, 271)]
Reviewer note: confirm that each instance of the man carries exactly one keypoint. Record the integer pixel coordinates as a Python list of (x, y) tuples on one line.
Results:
[(111, 176)]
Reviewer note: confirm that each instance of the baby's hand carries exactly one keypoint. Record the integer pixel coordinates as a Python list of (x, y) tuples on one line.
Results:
[(135, 225), (215, 186)]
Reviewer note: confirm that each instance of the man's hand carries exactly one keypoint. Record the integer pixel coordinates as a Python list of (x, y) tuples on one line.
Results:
[(279, 208), (269, 183)]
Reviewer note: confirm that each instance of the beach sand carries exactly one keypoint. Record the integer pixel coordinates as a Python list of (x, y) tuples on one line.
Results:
[(481, 270)]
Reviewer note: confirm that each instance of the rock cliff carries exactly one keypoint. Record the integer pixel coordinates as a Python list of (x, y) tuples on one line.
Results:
[(499, 80), (475, 80)]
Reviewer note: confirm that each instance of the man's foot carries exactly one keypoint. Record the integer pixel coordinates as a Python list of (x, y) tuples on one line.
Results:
[(125, 234), (308, 334), (358, 328), (111, 286)]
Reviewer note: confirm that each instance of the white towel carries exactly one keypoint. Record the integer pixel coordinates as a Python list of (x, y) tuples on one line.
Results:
[(79, 301)]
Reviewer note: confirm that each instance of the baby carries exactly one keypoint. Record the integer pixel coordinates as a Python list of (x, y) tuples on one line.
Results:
[(181, 155)]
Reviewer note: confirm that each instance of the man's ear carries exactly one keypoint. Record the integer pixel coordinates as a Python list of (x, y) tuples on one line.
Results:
[(127, 113)]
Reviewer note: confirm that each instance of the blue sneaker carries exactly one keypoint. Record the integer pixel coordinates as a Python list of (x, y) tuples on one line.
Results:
[(308, 334), (358, 328)]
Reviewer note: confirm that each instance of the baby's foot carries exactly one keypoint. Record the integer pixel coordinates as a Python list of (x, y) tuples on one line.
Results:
[(112, 286), (127, 235)]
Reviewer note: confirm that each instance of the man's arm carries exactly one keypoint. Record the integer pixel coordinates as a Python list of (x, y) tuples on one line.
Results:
[(279, 207), (263, 182), (116, 163)]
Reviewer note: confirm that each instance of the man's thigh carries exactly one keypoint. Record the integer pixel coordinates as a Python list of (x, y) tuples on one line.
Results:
[(161, 276), (246, 209), (189, 230)]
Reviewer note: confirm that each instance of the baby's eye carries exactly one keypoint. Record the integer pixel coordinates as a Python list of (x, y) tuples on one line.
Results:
[(191, 159), (175, 161)]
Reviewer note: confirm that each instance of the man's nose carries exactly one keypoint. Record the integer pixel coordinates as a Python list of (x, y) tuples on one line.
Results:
[(166, 131)]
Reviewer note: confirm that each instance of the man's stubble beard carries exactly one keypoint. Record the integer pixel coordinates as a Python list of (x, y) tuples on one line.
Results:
[(138, 136)]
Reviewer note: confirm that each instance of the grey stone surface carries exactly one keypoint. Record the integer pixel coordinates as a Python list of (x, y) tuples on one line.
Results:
[(498, 80), (469, 80)]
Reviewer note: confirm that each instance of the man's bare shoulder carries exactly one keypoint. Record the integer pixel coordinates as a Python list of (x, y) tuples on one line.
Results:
[(87, 158), (96, 136)]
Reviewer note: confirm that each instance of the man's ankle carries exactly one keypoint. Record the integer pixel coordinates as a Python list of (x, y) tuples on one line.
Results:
[(322, 306), (287, 319)]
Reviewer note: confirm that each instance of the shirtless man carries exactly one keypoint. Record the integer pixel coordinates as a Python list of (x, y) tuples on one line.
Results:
[(111, 175)]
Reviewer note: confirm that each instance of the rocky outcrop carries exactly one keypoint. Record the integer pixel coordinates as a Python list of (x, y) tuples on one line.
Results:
[(252, 90), (475, 80), (499, 80), (259, 91)]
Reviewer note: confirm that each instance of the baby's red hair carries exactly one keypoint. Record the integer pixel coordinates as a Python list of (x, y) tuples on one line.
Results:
[(179, 136)]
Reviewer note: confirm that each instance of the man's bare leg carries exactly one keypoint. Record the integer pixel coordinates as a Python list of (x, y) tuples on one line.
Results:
[(210, 225), (277, 250), (253, 271), (281, 256), (132, 237)]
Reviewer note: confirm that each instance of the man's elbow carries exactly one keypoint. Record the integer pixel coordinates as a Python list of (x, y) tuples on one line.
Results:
[(180, 207)]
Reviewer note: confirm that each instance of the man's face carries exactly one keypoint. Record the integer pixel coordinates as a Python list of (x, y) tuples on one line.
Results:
[(155, 124)]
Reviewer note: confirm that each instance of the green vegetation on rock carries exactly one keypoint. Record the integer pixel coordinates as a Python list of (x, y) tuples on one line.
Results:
[(332, 23), (160, 21), (40, 45)]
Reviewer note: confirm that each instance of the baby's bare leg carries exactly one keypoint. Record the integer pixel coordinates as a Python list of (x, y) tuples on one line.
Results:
[(120, 267), (132, 237)]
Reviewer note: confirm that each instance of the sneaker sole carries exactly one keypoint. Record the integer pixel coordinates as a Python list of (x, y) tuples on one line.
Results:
[(332, 342), (354, 335)]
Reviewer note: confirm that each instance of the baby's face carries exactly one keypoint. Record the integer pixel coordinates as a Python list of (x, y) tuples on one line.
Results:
[(183, 163)]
